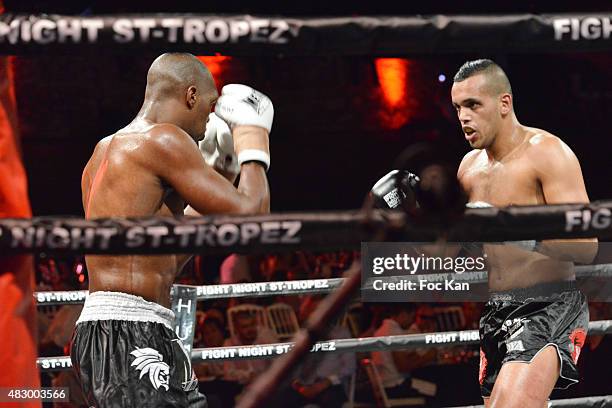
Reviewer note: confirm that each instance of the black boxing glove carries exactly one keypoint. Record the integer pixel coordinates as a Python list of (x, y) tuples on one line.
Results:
[(396, 190)]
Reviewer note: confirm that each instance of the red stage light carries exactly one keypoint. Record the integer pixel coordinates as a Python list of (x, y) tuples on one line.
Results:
[(392, 73), (394, 79), (215, 63)]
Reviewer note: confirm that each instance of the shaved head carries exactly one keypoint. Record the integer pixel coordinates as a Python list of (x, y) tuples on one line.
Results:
[(180, 90), (497, 82), (171, 74)]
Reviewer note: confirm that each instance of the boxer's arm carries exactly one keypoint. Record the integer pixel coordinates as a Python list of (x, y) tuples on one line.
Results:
[(176, 159), (558, 171), (85, 184), (559, 174), (93, 163), (265, 205)]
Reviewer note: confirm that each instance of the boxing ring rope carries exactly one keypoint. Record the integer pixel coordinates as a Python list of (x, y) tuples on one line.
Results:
[(237, 34), (300, 287), (221, 234), (363, 344), (207, 292), (604, 401)]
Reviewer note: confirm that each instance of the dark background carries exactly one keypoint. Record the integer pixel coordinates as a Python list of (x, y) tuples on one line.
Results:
[(334, 131)]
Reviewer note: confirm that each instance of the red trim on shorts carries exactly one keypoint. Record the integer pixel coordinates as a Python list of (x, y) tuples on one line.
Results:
[(577, 339), (483, 367)]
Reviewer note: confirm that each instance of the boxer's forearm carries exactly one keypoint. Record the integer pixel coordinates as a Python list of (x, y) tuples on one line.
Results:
[(254, 188)]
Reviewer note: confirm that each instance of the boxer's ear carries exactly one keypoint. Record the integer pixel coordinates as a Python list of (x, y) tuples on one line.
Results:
[(191, 96), (505, 104)]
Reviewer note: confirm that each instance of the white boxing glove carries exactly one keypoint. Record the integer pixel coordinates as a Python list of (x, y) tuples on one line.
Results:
[(243, 107), (218, 148)]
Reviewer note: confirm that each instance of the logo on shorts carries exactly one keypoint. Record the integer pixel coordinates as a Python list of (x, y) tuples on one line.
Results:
[(577, 338), (515, 326), (190, 382), (515, 346), (149, 361)]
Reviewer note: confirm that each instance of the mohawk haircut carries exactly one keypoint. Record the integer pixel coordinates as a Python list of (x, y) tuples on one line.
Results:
[(496, 76)]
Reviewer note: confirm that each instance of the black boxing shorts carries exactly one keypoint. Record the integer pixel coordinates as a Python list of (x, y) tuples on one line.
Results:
[(126, 354), (517, 324)]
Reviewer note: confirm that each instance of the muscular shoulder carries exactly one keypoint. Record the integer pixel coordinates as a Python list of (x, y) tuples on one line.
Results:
[(102, 145), (167, 148), (467, 162), (543, 146), (168, 138), (97, 155), (104, 142), (540, 140), (548, 154)]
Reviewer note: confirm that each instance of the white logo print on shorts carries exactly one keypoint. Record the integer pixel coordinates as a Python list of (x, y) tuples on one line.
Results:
[(149, 361)]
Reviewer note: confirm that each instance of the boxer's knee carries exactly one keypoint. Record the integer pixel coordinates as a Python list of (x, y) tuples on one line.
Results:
[(527, 383), (507, 396)]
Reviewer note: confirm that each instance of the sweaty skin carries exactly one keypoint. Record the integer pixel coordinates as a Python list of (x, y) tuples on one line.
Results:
[(114, 185), (153, 167), (122, 180), (514, 164)]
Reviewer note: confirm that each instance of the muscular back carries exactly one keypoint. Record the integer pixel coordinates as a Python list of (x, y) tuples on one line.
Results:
[(541, 170), (119, 181)]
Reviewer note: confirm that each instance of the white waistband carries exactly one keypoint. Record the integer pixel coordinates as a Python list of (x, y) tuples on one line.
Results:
[(123, 306), (478, 204)]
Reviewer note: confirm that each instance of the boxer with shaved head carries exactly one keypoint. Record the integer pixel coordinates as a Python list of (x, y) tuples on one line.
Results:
[(124, 349)]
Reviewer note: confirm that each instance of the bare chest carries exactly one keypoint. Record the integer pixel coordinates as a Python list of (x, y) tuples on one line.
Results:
[(502, 184)]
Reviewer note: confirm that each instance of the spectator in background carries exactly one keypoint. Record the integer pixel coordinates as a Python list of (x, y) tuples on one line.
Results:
[(219, 392), (56, 342), (324, 271), (247, 332), (424, 321), (235, 269), (322, 378), (395, 366), (57, 334), (267, 266), (210, 329), (309, 304), (373, 315), (295, 301)]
